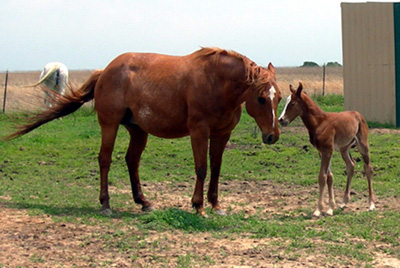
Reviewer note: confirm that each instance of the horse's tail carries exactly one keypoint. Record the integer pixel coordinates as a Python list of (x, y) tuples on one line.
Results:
[(49, 73), (65, 105), (362, 133)]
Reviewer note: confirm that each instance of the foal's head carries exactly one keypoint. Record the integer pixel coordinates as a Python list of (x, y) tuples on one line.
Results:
[(262, 103), (292, 107)]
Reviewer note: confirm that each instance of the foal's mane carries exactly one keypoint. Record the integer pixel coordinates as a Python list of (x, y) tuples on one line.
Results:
[(253, 73)]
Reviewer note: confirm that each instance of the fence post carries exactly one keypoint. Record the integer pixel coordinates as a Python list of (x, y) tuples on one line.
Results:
[(5, 93), (323, 79)]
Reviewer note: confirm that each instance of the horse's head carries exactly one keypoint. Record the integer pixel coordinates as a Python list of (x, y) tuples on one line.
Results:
[(292, 107), (262, 103)]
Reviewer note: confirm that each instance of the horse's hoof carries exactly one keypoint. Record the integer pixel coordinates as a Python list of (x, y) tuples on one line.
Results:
[(220, 212), (106, 212), (317, 214), (372, 207), (148, 209), (342, 206), (329, 212), (202, 213)]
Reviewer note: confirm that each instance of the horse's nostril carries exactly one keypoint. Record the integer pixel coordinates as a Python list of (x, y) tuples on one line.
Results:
[(283, 122), (268, 139)]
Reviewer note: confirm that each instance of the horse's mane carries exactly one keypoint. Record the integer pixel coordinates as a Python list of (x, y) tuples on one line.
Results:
[(252, 70)]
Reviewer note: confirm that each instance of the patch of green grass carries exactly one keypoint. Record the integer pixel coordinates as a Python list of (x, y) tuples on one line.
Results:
[(54, 171)]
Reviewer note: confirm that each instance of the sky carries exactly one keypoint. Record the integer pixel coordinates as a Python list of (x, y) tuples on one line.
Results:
[(88, 34)]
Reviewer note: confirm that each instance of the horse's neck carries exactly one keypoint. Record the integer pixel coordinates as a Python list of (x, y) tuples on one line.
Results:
[(312, 115)]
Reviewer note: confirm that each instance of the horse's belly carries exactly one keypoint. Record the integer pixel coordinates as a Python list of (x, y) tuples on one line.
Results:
[(162, 124)]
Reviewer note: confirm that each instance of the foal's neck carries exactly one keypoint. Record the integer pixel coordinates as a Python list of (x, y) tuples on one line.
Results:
[(312, 115)]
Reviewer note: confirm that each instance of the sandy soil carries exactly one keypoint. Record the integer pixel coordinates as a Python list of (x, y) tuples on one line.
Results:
[(38, 241)]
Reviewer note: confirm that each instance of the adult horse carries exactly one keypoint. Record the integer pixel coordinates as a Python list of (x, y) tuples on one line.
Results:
[(54, 78), (200, 94)]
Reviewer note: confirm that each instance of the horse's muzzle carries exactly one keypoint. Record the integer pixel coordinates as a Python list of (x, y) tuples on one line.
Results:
[(269, 138), (283, 122)]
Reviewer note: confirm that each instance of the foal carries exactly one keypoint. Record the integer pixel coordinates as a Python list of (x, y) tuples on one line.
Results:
[(329, 131)]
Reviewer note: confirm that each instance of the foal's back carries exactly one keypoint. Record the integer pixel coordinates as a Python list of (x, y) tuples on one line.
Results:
[(346, 127)]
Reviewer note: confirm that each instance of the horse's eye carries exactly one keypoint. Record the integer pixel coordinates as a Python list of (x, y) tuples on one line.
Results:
[(261, 100)]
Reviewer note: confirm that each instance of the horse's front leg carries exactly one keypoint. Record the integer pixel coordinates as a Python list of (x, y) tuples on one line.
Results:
[(199, 141), (136, 146), (217, 146), (322, 178)]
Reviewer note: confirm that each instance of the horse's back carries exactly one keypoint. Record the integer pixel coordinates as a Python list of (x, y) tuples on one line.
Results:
[(346, 126), (153, 86)]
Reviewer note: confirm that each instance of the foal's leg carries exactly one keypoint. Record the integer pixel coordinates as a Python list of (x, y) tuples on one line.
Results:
[(325, 160), (364, 150), (136, 146), (331, 194), (217, 146), (108, 134), (345, 152)]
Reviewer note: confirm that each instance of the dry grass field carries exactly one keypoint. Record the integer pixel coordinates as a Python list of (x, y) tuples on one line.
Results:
[(20, 98)]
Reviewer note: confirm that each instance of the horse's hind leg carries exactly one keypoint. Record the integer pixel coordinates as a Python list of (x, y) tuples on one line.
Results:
[(364, 150), (217, 146), (136, 146), (345, 152), (108, 135), (331, 194)]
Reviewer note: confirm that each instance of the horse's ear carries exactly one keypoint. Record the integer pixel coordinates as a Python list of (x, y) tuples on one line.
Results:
[(292, 89), (271, 68), (299, 89)]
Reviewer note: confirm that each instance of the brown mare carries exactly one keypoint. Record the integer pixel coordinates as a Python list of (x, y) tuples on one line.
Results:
[(200, 94), (329, 131)]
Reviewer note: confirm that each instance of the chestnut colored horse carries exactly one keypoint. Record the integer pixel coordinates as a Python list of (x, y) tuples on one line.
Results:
[(329, 131), (200, 94)]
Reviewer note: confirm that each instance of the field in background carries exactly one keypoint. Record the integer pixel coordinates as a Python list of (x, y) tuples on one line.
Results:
[(20, 98), (311, 77)]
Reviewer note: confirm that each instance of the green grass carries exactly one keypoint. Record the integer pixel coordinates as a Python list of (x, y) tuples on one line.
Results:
[(54, 171)]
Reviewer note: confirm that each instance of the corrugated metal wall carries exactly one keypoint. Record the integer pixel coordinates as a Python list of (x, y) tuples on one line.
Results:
[(369, 60)]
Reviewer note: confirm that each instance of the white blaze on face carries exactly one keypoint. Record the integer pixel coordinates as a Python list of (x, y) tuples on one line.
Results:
[(286, 105), (272, 92)]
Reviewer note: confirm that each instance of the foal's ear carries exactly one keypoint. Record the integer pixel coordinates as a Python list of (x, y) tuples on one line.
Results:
[(292, 89), (271, 68), (299, 89)]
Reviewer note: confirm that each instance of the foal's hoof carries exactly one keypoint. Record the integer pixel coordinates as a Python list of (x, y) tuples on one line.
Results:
[(317, 214), (148, 209), (372, 207), (342, 206), (329, 212), (220, 212), (106, 211)]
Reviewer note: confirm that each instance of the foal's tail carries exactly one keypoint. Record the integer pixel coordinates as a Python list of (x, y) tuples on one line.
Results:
[(65, 105), (362, 134)]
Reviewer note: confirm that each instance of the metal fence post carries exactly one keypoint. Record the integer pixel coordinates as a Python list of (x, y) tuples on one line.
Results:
[(5, 93), (323, 79)]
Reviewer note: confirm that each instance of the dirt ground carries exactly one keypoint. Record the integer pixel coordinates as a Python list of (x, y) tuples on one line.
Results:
[(38, 241)]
